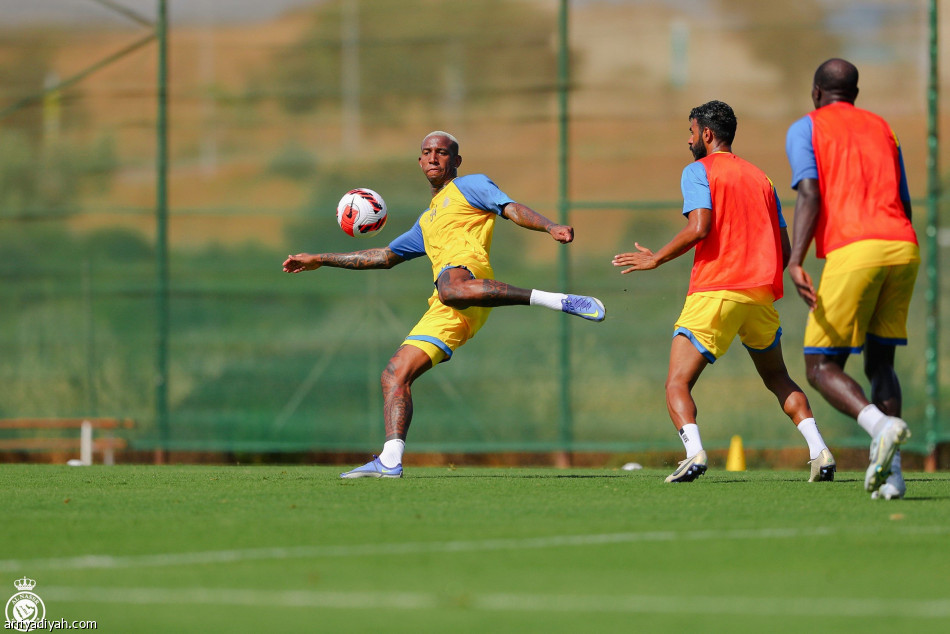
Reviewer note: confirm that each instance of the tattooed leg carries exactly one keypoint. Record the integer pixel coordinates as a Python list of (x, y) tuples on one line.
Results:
[(406, 365), (459, 290)]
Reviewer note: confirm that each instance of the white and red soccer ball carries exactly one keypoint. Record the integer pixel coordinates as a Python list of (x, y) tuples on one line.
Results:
[(361, 213)]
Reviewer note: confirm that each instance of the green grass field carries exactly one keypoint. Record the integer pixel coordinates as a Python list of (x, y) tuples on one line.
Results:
[(275, 549)]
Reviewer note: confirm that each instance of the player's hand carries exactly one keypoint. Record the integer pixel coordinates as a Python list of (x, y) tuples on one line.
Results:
[(562, 233), (803, 285), (301, 262), (643, 260)]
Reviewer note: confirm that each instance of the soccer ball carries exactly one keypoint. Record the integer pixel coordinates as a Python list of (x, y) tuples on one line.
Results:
[(361, 213)]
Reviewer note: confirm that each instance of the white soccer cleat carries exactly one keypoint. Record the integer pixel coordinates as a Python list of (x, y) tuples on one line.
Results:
[(689, 469), (894, 487), (883, 447), (823, 467)]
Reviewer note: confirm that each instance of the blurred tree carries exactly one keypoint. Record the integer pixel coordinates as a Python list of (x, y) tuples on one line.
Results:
[(417, 54), (24, 68), (792, 37), (25, 71), (293, 161), (42, 167)]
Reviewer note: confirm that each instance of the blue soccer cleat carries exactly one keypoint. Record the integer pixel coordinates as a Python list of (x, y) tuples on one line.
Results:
[(583, 306), (374, 469)]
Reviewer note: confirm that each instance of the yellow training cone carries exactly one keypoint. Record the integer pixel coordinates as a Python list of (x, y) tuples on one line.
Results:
[(735, 461)]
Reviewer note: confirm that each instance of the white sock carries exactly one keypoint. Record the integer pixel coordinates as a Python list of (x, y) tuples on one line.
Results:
[(391, 456), (870, 417), (816, 444), (689, 434), (546, 299)]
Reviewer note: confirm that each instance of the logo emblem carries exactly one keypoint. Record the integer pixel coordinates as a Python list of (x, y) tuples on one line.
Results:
[(24, 607)]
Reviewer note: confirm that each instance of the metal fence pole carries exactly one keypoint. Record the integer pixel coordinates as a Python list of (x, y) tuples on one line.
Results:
[(565, 421), (933, 271), (161, 236)]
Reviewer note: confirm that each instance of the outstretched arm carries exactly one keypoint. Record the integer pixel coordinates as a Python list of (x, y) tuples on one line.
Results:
[(697, 227), (524, 216), (807, 208), (369, 259)]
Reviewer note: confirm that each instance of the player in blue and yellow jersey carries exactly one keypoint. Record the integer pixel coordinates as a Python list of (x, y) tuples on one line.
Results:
[(734, 223), (455, 232), (853, 201)]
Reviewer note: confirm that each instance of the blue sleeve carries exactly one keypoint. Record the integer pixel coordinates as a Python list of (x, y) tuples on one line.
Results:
[(800, 151), (905, 190), (482, 193), (695, 186), (778, 205), (410, 244)]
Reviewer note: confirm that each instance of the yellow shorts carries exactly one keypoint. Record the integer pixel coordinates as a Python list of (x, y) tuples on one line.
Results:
[(442, 329), (854, 304), (711, 321)]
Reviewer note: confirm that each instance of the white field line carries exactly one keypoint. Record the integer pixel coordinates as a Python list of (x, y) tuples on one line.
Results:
[(90, 562), (547, 603)]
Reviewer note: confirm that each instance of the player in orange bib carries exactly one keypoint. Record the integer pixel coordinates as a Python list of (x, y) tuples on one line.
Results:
[(853, 201), (734, 221), (455, 232)]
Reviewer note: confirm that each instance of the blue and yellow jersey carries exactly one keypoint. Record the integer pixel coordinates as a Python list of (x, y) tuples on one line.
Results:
[(457, 228)]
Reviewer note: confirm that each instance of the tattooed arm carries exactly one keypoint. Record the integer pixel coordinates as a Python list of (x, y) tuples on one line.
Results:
[(528, 218), (369, 259)]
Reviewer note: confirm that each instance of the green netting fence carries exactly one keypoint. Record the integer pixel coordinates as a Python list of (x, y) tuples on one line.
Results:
[(140, 263)]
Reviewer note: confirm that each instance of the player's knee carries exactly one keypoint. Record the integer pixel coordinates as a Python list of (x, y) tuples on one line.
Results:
[(813, 376), (814, 372), (454, 296), (393, 376), (675, 385), (387, 379)]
